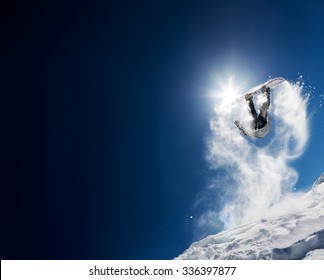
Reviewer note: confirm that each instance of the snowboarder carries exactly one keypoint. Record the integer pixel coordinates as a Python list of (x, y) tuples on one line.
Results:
[(260, 123)]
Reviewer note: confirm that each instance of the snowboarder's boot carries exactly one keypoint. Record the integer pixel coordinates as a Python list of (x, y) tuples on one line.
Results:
[(249, 97)]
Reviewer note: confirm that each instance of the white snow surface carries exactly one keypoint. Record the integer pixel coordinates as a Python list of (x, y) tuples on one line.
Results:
[(296, 234)]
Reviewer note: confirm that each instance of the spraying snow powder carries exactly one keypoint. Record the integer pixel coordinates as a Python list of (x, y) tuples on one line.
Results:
[(254, 176)]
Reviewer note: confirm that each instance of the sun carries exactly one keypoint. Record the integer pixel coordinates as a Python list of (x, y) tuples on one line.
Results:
[(227, 88)]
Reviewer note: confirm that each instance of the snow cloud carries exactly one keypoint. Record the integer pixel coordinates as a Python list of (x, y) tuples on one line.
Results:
[(252, 176)]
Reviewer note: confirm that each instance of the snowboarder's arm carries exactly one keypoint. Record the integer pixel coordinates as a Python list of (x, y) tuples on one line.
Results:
[(241, 128)]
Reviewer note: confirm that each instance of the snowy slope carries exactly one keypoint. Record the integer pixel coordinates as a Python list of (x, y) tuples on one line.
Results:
[(298, 234)]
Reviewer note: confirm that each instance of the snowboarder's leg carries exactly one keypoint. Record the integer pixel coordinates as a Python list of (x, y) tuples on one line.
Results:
[(251, 107), (265, 106), (254, 114)]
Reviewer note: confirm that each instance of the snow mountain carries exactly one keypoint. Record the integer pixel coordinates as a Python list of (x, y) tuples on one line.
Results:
[(296, 234)]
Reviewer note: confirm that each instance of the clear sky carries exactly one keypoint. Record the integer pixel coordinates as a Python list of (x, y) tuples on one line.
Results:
[(105, 115)]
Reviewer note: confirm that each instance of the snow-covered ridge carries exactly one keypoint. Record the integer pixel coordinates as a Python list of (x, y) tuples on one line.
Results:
[(295, 235), (318, 186)]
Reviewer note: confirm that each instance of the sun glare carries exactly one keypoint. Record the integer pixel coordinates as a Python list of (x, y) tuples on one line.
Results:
[(228, 88)]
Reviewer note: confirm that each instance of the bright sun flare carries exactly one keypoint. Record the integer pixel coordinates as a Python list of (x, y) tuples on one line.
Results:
[(228, 88)]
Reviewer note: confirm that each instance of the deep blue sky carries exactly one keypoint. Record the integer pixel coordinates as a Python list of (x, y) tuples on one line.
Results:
[(104, 118)]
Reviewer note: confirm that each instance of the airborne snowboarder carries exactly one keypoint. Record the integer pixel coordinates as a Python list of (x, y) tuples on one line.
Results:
[(261, 121)]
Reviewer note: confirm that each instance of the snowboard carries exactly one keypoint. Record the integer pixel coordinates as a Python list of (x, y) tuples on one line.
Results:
[(271, 83)]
